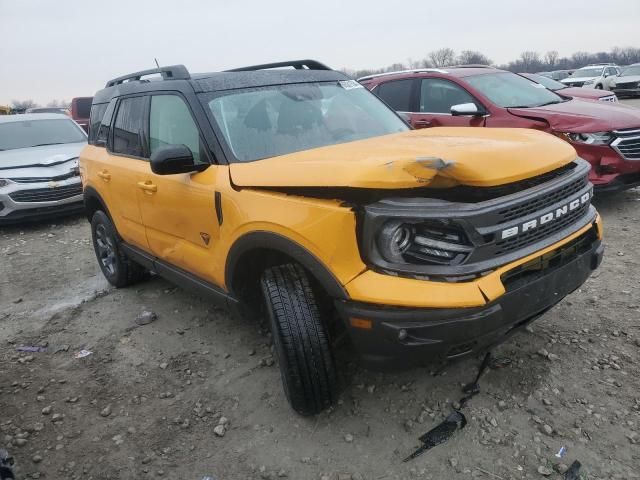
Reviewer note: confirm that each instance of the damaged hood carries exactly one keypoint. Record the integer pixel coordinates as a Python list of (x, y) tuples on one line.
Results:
[(469, 156), (580, 116), (43, 157)]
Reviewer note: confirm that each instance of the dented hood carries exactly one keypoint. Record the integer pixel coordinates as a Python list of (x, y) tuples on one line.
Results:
[(437, 156), (583, 116)]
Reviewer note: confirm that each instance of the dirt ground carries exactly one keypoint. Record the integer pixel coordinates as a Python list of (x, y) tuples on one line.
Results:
[(144, 404)]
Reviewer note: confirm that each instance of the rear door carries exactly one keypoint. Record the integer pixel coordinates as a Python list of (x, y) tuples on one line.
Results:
[(179, 210), (436, 97), (118, 167)]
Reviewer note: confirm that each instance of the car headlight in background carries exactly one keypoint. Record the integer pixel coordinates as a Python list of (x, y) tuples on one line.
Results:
[(422, 242), (597, 138), (589, 82), (4, 182)]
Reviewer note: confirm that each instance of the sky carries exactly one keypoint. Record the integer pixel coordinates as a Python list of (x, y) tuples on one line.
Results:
[(60, 49)]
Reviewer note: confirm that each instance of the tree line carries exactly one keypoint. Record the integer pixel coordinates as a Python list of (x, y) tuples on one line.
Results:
[(528, 62)]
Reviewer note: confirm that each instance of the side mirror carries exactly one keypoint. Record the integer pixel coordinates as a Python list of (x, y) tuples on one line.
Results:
[(605, 75), (173, 159), (465, 109)]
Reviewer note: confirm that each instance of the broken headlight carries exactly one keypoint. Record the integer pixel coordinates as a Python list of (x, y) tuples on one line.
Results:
[(422, 242), (4, 182), (597, 138)]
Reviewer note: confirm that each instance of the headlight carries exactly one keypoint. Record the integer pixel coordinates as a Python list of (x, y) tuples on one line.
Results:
[(597, 138), (4, 182), (589, 82), (422, 243)]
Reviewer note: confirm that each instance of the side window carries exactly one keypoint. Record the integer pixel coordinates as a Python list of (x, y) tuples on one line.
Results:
[(127, 127), (611, 71), (171, 123), (397, 94), (95, 119), (438, 95), (102, 124)]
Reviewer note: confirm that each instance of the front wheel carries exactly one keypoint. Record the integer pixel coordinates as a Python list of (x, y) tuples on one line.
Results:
[(598, 87), (116, 267), (300, 336)]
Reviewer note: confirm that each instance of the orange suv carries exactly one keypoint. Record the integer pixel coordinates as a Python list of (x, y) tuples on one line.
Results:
[(298, 195)]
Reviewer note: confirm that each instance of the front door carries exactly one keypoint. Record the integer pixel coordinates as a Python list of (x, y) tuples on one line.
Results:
[(179, 210), (436, 97)]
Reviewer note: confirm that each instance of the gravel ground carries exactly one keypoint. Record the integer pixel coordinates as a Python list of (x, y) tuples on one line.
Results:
[(195, 393)]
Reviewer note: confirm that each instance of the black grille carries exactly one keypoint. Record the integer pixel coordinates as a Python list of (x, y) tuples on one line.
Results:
[(540, 203), (532, 236), (635, 84), (47, 194), (628, 143), (575, 84)]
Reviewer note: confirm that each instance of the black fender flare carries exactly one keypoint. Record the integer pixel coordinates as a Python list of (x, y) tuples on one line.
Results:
[(91, 194), (274, 241)]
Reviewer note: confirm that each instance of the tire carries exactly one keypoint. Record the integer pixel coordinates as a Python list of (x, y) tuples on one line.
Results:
[(302, 345), (598, 87), (116, 267)]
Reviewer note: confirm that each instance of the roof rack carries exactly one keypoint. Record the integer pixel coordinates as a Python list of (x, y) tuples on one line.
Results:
[(297, 64), (472, 65), (413, 70), (173, 72)]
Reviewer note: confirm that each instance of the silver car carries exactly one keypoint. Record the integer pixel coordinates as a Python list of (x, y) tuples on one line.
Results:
[(39, 174)]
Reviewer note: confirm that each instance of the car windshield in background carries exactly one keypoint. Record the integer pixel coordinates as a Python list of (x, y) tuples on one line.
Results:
[(270, 121), (588, 72), (32, 133), (629, 71), (547, 82), (507, 89)]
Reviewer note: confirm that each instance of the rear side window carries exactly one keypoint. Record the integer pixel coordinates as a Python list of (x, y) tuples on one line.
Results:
[(95, 119), (103, 124), (397, 94), (127, 127), (171, 123)]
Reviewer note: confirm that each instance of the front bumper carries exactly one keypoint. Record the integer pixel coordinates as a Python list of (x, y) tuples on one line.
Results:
[(21, 202), (610, 172), (415, 336), (626, 92)]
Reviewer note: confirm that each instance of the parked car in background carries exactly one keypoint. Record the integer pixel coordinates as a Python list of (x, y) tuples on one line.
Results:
[(5, 110), (627, 84), (592, 76), (47, 110), (572, 92), (557, 74), (39, 174), (605, 134), (80, 110), (297, 196)]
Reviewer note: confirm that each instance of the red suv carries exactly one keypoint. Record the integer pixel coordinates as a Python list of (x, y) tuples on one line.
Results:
[(606, 135)]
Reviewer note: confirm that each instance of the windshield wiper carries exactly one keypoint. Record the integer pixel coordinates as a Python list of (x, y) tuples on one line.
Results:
[(45, 144)]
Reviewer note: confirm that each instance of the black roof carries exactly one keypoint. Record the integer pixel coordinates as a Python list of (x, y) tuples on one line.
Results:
[(245, 77)]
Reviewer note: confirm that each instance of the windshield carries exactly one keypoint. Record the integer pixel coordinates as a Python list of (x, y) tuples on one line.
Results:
[(588, 72), (629, 71), (31, 133), (546, 81), (270, 121), (507, 89)]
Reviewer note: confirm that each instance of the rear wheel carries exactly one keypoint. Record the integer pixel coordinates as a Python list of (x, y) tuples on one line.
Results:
[(119, 270), (301, 340)]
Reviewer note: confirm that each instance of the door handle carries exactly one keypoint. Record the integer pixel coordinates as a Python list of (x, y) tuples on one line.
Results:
[(422, 123), (148, 186), (104, 175)]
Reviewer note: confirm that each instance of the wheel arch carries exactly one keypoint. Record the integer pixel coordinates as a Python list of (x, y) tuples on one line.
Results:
[(254, 251), (94, 202)]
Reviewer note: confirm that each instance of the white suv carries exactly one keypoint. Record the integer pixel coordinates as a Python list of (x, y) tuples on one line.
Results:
[(593, 76)]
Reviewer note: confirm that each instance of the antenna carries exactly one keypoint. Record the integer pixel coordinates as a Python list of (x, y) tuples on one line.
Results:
[(157, 64)]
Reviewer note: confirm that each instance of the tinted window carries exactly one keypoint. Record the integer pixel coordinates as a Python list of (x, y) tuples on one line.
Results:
[(276, 120), (103, 124), (397, 94), (438, 96), (97, 112), (127, 127), (34, 133), (171, 123)]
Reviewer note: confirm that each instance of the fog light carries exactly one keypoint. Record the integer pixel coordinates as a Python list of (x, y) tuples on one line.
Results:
[(402, 334)]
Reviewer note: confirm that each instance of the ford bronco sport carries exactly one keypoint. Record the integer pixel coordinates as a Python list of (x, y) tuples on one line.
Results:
[(298, 194)]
